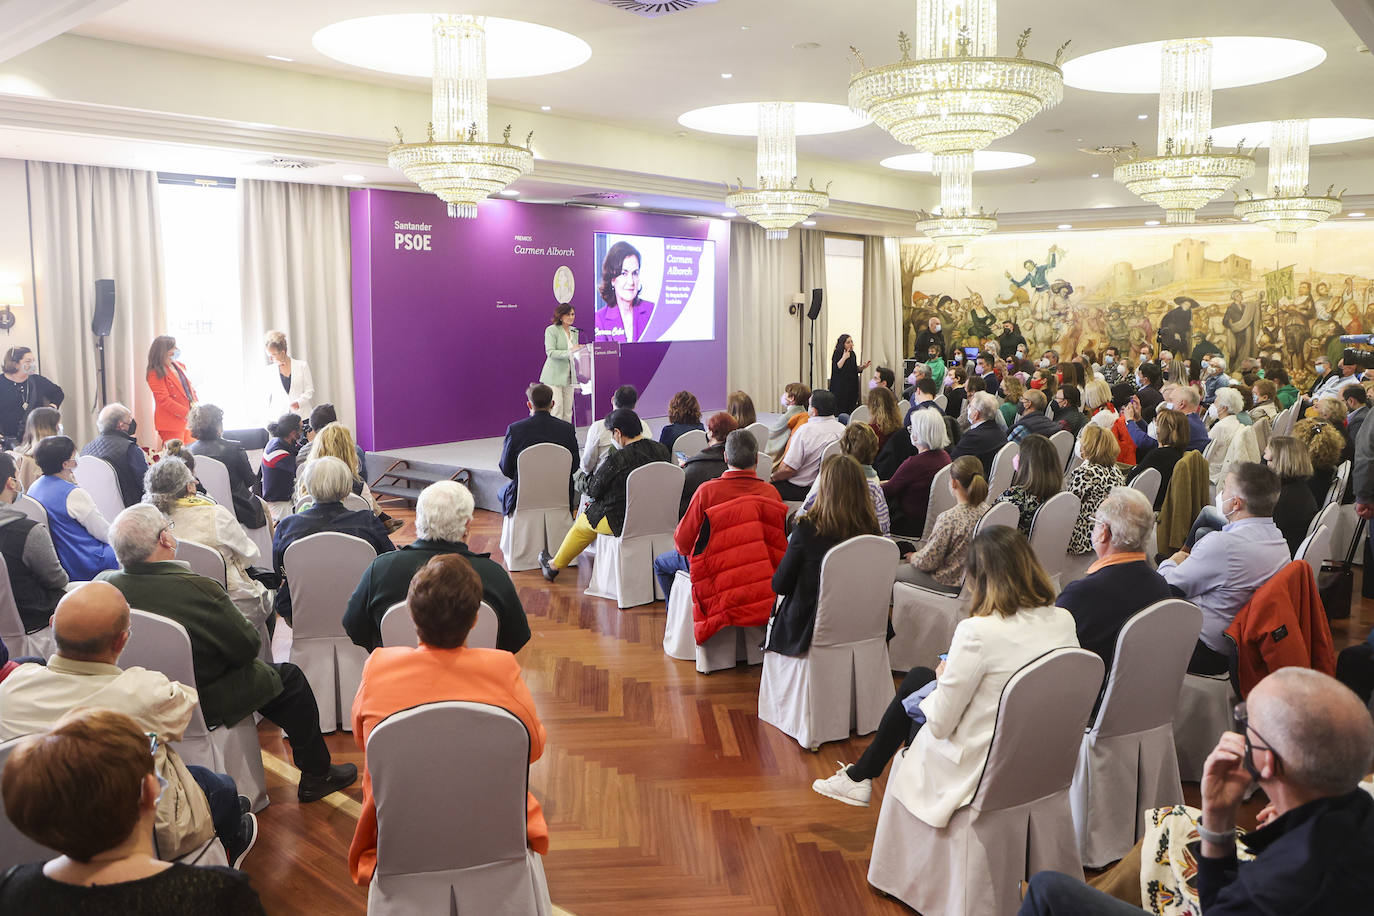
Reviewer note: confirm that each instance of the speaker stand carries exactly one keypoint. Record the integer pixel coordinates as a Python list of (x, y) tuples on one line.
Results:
[(811, 363), (100, 367)]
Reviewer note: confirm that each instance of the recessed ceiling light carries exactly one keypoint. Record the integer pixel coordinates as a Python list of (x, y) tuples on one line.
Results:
[(510, 192), (546, 108), (1097, 174), (354, 177), (1319, 131), (729, 214), (632, 204), (1236, 61), (741, 119), (287, 60), (1142, 117), (744, 28), (808, 222), (807, 45), (403, 43), (726, 76), (1152, 222), (983, 161), (1356, 215), (1064, 226)]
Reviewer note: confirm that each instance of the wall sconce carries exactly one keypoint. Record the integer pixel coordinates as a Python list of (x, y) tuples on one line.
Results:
[(11, 296)]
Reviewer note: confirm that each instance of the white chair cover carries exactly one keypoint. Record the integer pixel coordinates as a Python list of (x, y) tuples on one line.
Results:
[(1316, 549), (1206, 709), (161, 644), (1284, 422), (40, 642), (1325, 516), (760, 433), (1127, 763), (1002, 470), (941, 499), (679, 639), (15, 847), (32, 508), (624, 567), (1050, 532), (831, 449), (463, 850), (1147, 482), (398, 629), (204, 561), (214, 476), (1211, 448), (941, 401), (1338, 482), (860, 414), (1019, 822), (261, 536), (541, 519), (763, 468), (97, 477), (1076, 567), (690, 442), (323, 569), (904, 406), (1063, 444), (355, 503), (842, 682), (923, 619), (729, 647)]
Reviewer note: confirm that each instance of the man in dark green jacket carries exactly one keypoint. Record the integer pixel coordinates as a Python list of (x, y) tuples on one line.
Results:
[(233, 682), (442, 515)]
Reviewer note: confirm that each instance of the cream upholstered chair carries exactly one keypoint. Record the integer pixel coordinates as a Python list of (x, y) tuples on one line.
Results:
[(860, 414), (679, 639), (1316, 547), (923, 619), (1206, 709), (726, 649), (355, 503), (161, 644), (40, 642), (690, 442), (97, 477), (1002, 470), (398, 629), (624, 567), (842, 682), (1063, 444), (323, 569), (463, 850), (1050, 532), (760, 433), (32, 508), (941, 498), (1127, 763), (214, 476), (203, 560), (1325, 516), (542, 517), (1147, 482), (1018, 822), (763, 468)]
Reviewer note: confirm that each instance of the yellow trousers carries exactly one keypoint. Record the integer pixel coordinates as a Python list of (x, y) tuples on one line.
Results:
[(579, 536)]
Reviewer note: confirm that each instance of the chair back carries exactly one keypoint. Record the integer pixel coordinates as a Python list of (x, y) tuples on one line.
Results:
[(161, 644), (214, 476), (1147, 482), (355, 503), (831, 449), (204, 561), (1284, 422), (1315, 549), (1338, 481), (543, 470), (1004, 514), (1262, 428), (760, 433), (942, 402), (98, 478), (11, 624), (860, 414), (398, 628), (941, 499), (1002, 470), (1328, 516), (15, 847), (1039, 729), (652, 494), (481, 820), (1063, 444), (764, 467), (32, 508), (1152, 653), (855, 590), (1211, 449), (323, 569), (690, 442), (1051, 529)]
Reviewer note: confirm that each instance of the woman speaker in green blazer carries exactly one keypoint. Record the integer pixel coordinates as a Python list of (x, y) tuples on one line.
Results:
[(560, 345)]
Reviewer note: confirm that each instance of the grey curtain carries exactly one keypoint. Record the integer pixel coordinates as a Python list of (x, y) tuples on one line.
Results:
[(882, 302), (763, 353), (94, 223), (812, 252)]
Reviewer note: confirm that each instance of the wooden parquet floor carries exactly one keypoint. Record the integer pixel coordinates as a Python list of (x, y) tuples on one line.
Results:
[(663, 792)]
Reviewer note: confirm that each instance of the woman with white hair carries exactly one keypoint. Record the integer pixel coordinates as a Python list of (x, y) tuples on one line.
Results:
[(442, 515), (908, 492), (327, 480), (1225, 409)]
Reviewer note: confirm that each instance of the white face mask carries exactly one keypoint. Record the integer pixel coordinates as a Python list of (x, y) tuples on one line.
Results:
[(1044, 363), (1169, 405), (972, 418), (1108, 359), (1152, 431), (1222, 500), (1020, 354), (1078, 448), (872, 383)]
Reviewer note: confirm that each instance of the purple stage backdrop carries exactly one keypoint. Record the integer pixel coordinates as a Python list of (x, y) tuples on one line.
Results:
[(449, 315)]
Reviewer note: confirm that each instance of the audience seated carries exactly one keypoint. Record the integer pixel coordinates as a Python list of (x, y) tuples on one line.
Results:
[(1265, 406), (442, 515), (172, 489), (739, 528), (1114, 369), (1214, 378), (79, 532), (1091, 481), (801, 463), (91, 626), (599, 443), (278, 471), (684, 415), (88, 789), (955, 392), (1296, 506), (1172, 429), (908, 490), (1325, 445), (1227, 406), (322, 415), (859, 443), (709, 463), (605, 514), (795, 398), (37, 578), (1012, 391), (1186, 400), (984, 438), (42, 422), (117, 447), (1101, 411), (232, 680), (1356, 399), (443, 598), (539, 427), (327, 481), (1038, 476), (336, 441), (1224, 568), (883, 416), (740, 406), (1287, 393), (1032, 420), (939, 562), (1149, 392), (1012, 621), (206, 423), (1307, 742), (1068, 401), (884, 377)]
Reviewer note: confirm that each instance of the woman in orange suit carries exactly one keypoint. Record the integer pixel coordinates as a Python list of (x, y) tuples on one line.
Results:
[(173, 394)]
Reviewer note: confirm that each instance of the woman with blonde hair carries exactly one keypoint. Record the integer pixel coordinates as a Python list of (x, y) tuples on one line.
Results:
[(842, 510), (1293, 513), (1092, 481), (1012, 390), (883, 416), (1325, 445), (1038, 476), (41, 423), (939, 563), (740, 406), (1012, 621), (290, 386), (335, 441), (1097, 404)]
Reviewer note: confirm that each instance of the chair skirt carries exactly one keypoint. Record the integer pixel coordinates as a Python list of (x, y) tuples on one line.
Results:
[(730, 646), (1115, 782), (239, 756), (923, 623), (679, 640), (511, 888), (828, 692), (334, 668), (40, 643), (1205, 710), (529, 531), (624, 568)]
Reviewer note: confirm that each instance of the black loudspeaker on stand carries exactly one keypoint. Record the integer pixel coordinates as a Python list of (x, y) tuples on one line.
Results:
[(101, 323), (813, 313)]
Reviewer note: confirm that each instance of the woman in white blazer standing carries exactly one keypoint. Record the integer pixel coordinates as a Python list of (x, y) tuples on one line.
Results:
[(1012, 622), (559, 373), (290, 388)]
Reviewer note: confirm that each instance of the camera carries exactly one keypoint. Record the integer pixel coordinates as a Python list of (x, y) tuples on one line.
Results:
[(1361, 359)]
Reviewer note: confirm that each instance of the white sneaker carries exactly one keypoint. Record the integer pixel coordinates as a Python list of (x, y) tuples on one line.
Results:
[(841, 788)]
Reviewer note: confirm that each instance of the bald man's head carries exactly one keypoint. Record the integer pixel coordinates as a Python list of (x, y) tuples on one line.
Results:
[(1322, 733), (91, 622)]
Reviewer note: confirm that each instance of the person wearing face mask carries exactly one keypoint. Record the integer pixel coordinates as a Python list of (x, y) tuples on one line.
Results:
[(1214, 379), (1225, 411), (1068, 402), (1330, 387), (1010, 340), (1113, 370), (79, 532), (173, 394), (26, 391), (278, 471), (933, 335), (117, 447), (1265, 394), (37, 578), (984, 438), (1223, 569)]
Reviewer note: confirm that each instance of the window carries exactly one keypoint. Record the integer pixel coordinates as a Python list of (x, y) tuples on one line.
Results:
[(844, 293)]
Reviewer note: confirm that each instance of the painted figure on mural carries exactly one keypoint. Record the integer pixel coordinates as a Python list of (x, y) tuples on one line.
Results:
[(1294, 319), (980, 326), (1176, 328), (1242, 321), (1037, 278)]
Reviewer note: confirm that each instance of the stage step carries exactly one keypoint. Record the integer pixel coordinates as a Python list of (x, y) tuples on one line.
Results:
[(404, 479)]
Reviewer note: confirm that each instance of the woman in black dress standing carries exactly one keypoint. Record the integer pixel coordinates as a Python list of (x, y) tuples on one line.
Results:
[(844, 375), (22, 391)]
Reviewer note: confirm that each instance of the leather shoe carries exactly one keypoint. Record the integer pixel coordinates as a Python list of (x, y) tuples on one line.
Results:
[(314, 788), (546, 566)]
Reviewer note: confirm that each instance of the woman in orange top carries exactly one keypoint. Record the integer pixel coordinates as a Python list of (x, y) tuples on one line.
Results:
[(173, 394), (443, 601)]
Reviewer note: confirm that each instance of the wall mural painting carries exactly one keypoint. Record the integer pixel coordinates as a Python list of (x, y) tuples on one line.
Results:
[(1197, 290)]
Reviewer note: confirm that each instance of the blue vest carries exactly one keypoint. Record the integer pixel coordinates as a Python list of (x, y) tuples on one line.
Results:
[(81, 554)]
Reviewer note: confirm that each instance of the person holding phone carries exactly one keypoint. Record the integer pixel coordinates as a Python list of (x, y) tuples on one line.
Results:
[(845, 370), (560, 370)]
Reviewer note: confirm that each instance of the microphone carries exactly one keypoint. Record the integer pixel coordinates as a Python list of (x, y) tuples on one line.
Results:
[(1357, 338)]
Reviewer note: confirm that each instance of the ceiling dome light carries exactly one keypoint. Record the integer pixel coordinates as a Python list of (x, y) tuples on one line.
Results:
[(777, 204), (1236, 61), (741, 119), (985, 160)]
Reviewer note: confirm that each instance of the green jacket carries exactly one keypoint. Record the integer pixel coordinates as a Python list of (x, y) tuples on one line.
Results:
[(558, 362), (1287, 395), (232, 680)]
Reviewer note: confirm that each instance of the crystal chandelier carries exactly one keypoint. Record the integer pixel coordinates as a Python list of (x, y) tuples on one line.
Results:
[(457, 163), (956, 94), (954, 224), (1289, 209), (777, 204), (1186, 174)]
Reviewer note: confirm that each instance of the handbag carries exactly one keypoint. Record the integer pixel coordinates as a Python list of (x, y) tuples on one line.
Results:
[(1336, 582)]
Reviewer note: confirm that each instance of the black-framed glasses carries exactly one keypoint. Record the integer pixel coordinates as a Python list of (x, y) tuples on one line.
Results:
[(1243, 720)]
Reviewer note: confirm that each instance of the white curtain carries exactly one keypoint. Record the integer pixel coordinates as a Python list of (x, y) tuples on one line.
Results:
[(812, 252), (882, 302), (763, 354), (90, 224), (295, 278)]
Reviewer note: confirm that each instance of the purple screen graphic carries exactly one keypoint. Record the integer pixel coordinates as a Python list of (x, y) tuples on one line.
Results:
[(449, 314)]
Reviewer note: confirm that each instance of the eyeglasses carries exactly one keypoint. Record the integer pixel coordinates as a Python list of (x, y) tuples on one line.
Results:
[(1243, 720), (153, 745)]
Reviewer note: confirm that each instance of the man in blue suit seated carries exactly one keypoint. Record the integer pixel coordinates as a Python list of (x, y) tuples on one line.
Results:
[(541, 426), (984, 438)]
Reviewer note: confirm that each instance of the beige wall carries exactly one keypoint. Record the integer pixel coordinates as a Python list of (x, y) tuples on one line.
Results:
[(15, 254)]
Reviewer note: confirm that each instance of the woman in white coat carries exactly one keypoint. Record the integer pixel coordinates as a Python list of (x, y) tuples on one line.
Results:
[(290, 387), (1012, 622)]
